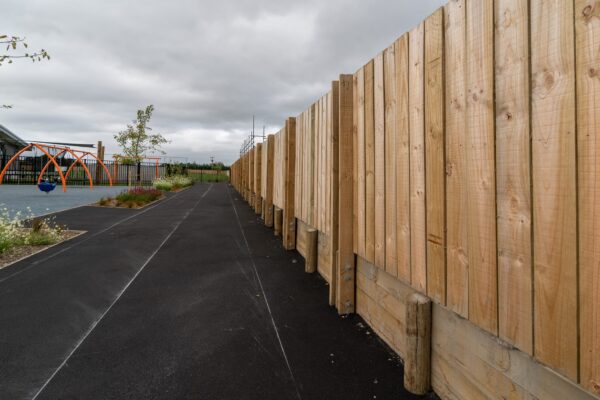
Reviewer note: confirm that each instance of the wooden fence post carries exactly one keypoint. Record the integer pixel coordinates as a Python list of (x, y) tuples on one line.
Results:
[(417, 363), (312, 245), (278, 221)]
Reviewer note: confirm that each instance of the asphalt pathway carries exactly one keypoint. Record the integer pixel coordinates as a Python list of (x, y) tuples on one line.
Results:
[(192, 298)]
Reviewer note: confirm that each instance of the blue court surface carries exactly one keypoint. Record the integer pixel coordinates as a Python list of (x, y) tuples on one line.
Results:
[(21, 197)]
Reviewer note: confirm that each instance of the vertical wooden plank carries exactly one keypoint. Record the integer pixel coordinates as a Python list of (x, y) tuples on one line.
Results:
[(345, 302), (513, 173), (323, 164), (587, 14), (258, 178), (289, 221), (251, 177), (270, 176), (483, 282), (319, 150), (300, 171), (370, 161), (435, 157), (554, 185), (402, 157), (316, 118), (418, 218), (379, 118), (391, 111), (334, 104), (361, 157), (354, 163), (457, 268), (310, 181)]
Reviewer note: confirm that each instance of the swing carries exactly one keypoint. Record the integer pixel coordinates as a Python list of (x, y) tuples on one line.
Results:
[(45, 186)]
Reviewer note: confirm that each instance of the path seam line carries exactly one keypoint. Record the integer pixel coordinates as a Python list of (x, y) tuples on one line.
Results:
[(264, 295), (95, 323)]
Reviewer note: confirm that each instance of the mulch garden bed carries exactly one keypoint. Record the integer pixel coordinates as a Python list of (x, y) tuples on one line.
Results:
[(19, 253)]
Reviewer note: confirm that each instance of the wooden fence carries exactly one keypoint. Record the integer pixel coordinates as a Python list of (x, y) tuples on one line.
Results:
[(462, 162)]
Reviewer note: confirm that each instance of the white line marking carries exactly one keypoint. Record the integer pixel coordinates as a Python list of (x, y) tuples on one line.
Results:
[(264, 295), (33, 264), (95, 323)]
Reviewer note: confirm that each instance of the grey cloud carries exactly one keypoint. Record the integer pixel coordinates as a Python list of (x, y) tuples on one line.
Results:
[(206, 66)]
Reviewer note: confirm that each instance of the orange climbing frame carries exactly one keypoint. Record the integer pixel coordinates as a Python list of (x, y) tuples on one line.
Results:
[(52, 160)]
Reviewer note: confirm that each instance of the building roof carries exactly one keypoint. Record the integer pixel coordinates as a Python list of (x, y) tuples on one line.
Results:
[(7, 136)]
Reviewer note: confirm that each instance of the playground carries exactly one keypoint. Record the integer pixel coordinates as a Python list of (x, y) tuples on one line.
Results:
[(201, 295), (28, 200)]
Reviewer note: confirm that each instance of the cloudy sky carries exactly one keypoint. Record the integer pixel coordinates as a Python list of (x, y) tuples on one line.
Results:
[(207, 66)]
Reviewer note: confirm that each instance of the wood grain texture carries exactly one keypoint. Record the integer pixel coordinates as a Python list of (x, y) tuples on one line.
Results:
[(334, 180), (554, 185), (355, 106), (370, 161), (435, 180), (469, 363), (513, 174), (345, 298), (278, 170), (289, 220), (402, 158), (298, 193), (391, 126), (587, 22), (483, 282), (269, 185), (380, 162), (361, 166), (457, 268), (418, 217)]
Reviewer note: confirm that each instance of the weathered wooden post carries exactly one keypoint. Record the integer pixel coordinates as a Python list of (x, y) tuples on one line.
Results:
[(417, 363), (312, 245), (278, 221)]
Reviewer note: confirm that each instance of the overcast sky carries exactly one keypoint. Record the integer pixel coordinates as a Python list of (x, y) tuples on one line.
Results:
[(207, 66)]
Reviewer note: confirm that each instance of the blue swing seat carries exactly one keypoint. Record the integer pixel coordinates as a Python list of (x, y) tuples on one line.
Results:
[(46, 187)]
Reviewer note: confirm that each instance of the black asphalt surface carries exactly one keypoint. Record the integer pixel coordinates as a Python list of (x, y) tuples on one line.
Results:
[(191, 298)]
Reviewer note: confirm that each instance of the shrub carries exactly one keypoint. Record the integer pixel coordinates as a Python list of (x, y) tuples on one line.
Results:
[(173, 182), (13, 231), (133, 197), (163, 184)]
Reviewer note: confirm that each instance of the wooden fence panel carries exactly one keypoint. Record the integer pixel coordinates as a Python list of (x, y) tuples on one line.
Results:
[(466, 156)]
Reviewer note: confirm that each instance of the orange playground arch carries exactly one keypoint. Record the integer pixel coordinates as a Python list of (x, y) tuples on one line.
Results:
[(45, 148)]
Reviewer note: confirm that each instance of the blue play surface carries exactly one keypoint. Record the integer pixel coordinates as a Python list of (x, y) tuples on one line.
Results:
[(20, 197)]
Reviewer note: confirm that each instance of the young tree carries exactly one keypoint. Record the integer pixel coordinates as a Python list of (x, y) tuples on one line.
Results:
[(13, 43), (135, 141)]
